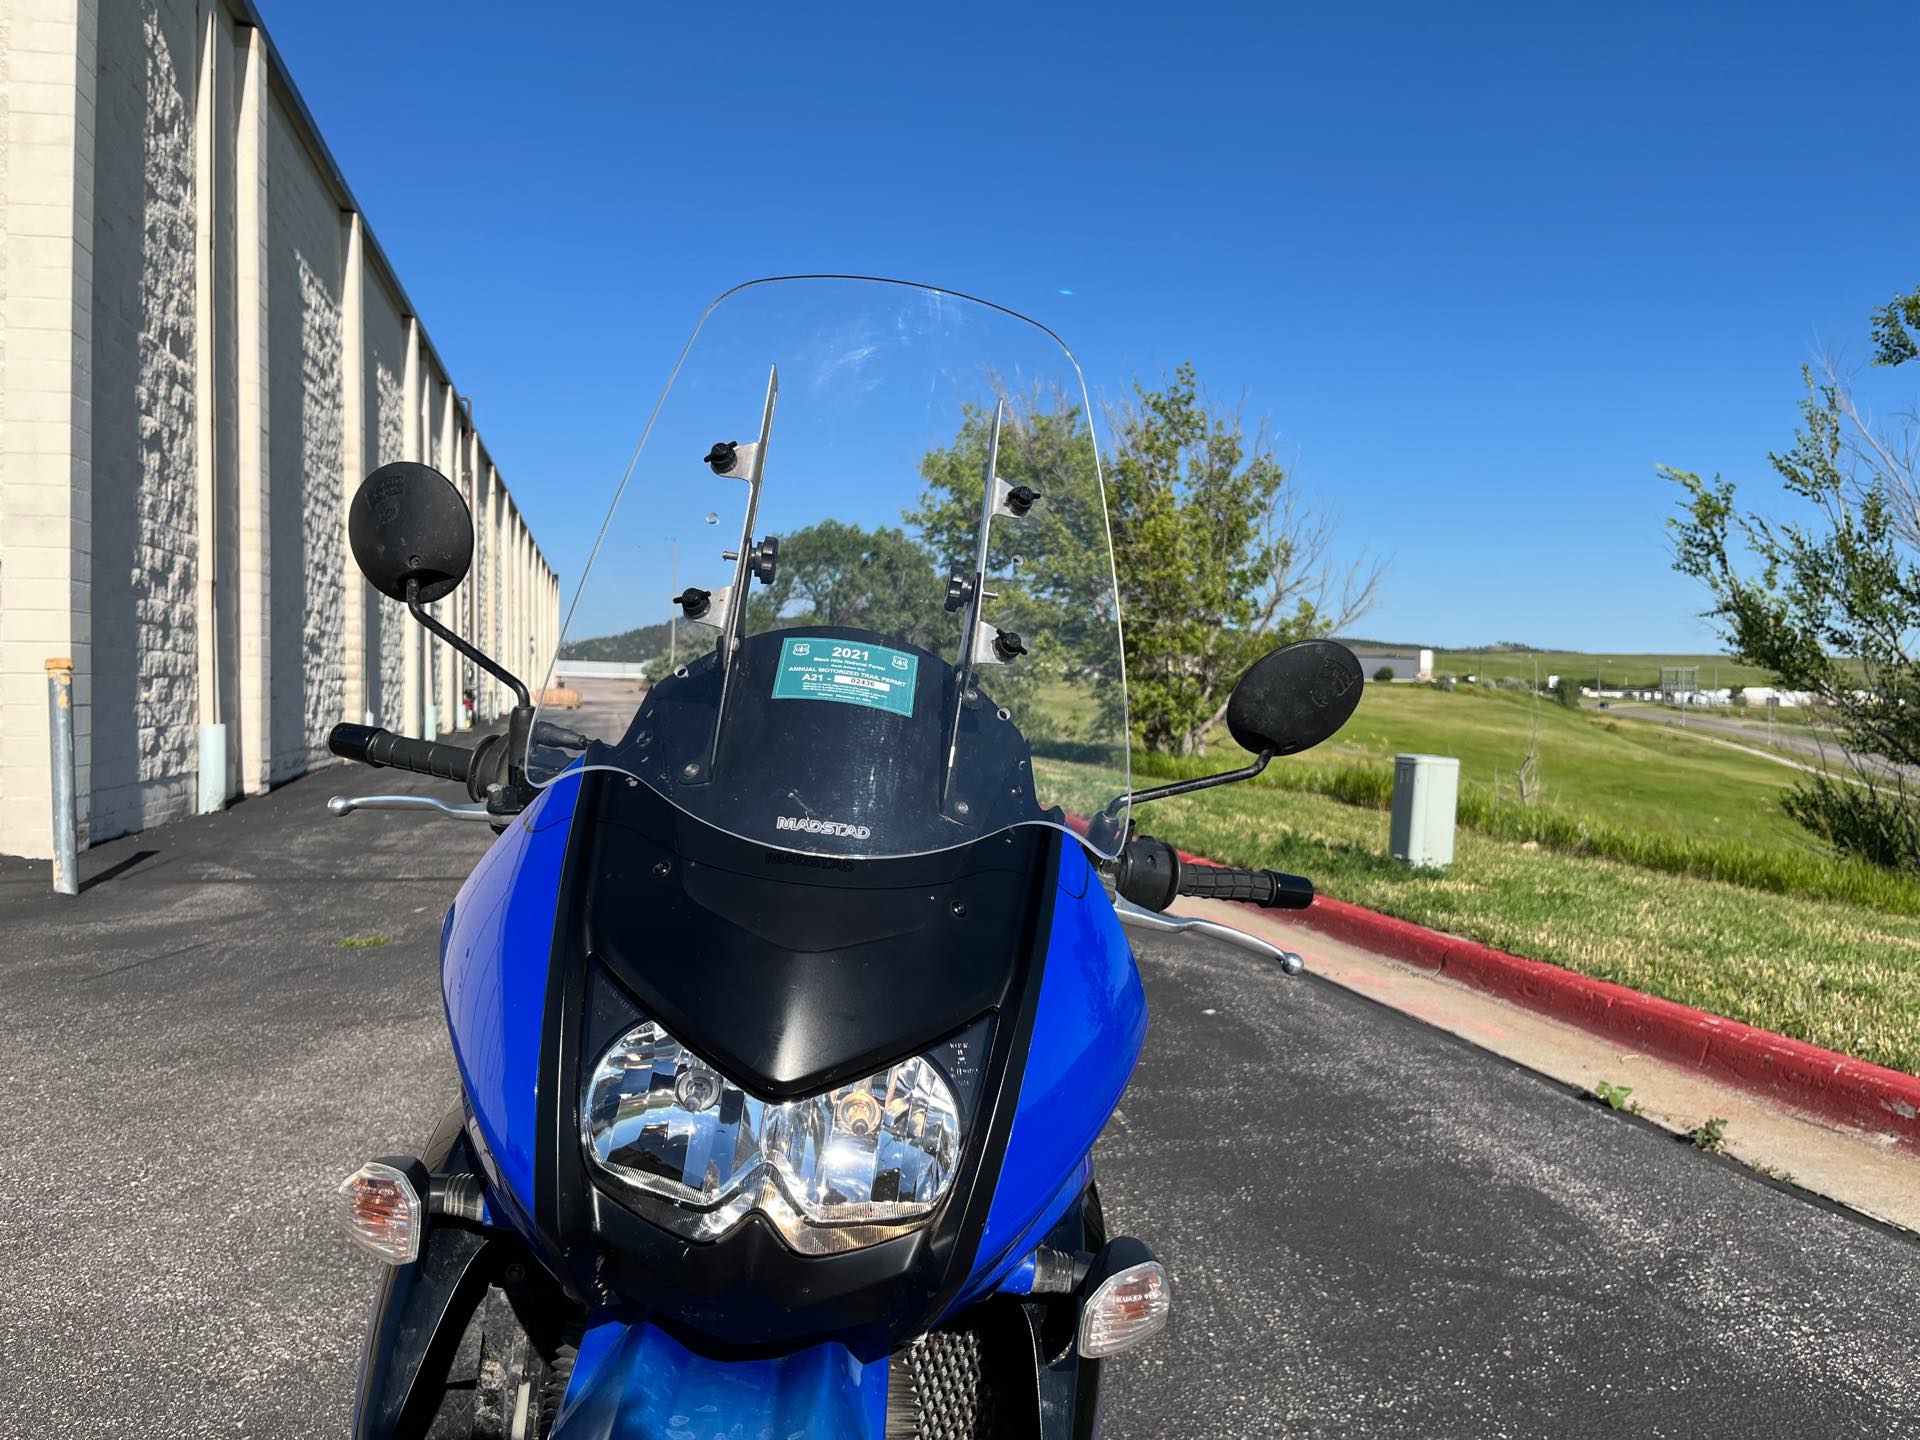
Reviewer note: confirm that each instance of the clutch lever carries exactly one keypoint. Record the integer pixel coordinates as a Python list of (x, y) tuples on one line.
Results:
[(347, 804), (1138, 917)]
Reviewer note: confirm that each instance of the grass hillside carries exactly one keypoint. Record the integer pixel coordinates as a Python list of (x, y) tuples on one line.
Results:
[(1656, 858), (1609, 767), (1837, 974)]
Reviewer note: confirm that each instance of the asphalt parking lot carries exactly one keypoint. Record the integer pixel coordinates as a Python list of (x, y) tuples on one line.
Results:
[(1376, 1229), (1373, 1228)]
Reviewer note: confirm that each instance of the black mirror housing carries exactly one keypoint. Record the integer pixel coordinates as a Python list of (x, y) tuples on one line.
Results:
[(1294, 698), (409, 526), (1288, 701)]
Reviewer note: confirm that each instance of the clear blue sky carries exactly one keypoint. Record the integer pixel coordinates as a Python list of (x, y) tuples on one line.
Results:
[(1482, 266)]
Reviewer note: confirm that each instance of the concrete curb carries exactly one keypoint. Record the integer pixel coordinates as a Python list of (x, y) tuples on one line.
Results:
[(1821, 1083)]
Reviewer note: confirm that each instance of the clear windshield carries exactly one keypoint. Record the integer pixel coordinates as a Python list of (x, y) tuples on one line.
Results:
[(862, 553)]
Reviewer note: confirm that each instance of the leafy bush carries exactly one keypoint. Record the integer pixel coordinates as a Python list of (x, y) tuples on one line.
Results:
[(1877, 825), (1385, 672), (1829, 603)]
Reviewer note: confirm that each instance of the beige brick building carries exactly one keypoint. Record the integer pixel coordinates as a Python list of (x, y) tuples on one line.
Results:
[(202, 351)]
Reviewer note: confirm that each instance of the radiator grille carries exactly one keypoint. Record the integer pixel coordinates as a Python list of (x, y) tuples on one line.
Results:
[(937, 1389)]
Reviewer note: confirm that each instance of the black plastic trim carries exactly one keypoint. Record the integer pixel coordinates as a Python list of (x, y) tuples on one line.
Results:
[(760, 962), (420, 1310), (419, 1314)]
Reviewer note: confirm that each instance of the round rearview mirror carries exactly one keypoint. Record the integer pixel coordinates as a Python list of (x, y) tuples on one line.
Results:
[(1294, 698), (407, 524)]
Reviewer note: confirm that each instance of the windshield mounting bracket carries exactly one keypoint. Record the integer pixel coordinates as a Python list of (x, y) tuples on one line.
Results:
[(953, 806), (733, 629)]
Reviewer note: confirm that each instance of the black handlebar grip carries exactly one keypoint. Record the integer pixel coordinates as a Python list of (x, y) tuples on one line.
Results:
[(349, 742), (1291, 892), (1266, 888), (373, 746)]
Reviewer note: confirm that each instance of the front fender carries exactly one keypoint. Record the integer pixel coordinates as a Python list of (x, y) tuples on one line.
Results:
[(636, 1382)]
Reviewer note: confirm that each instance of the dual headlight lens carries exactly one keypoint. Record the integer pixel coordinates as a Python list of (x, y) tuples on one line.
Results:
[(832, 1172)]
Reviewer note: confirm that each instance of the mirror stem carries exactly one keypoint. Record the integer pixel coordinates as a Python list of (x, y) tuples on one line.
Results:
[(1185, 787), (471, 652)]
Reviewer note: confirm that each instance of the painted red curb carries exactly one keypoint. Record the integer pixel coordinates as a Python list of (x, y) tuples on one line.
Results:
[(1821, 1083)]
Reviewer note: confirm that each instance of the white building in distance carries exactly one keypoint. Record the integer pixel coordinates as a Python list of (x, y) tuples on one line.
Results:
[(1407, 662)]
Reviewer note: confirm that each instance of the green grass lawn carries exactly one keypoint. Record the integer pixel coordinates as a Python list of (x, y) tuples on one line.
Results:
[(1624, 878), (1607, 767), (1835, 974)]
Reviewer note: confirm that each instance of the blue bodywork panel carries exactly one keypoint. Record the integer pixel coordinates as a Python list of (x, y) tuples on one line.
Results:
[(1087, 1035), (493, 975), (639, 1383), (636, 1380)]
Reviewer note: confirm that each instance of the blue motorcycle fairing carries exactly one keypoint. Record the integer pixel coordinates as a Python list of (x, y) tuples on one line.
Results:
[(1088, 1031), (636, 1382), (1088, 1027), (495, 959)]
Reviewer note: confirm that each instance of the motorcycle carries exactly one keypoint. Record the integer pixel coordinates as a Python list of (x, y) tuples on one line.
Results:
[(795, 991)]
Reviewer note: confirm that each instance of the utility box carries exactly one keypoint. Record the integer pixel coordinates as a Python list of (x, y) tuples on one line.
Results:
[(1426, 792)]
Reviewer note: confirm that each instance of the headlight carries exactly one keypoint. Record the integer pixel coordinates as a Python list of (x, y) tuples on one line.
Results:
[(832, 1172)]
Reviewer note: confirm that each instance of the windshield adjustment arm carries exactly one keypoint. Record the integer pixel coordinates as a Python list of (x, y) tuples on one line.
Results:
[(745, 462), (972, 591)]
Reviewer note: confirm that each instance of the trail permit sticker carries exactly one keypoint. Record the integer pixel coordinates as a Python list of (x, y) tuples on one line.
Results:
[(852, 674)]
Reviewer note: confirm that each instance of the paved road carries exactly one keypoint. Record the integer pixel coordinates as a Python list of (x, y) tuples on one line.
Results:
[(191, 1062), (1818, 746), (1374, 1229)]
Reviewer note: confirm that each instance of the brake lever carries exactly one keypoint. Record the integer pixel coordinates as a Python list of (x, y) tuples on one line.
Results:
[(342, 805), (1138, 917)]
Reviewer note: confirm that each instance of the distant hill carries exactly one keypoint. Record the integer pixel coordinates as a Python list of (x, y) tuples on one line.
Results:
[(1507, 647), (1367, 642), (629, 645)]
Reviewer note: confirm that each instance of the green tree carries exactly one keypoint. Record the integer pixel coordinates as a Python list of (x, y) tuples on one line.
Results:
[(832, 573), (1828, 599), (1219, 556), (1568, 692), (1894, 324), (1216, 557), (1050, 571)]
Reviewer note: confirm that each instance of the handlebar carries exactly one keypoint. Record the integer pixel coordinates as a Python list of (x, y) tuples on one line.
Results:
[(1269, 889), (371, 745), (1151, 874)]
